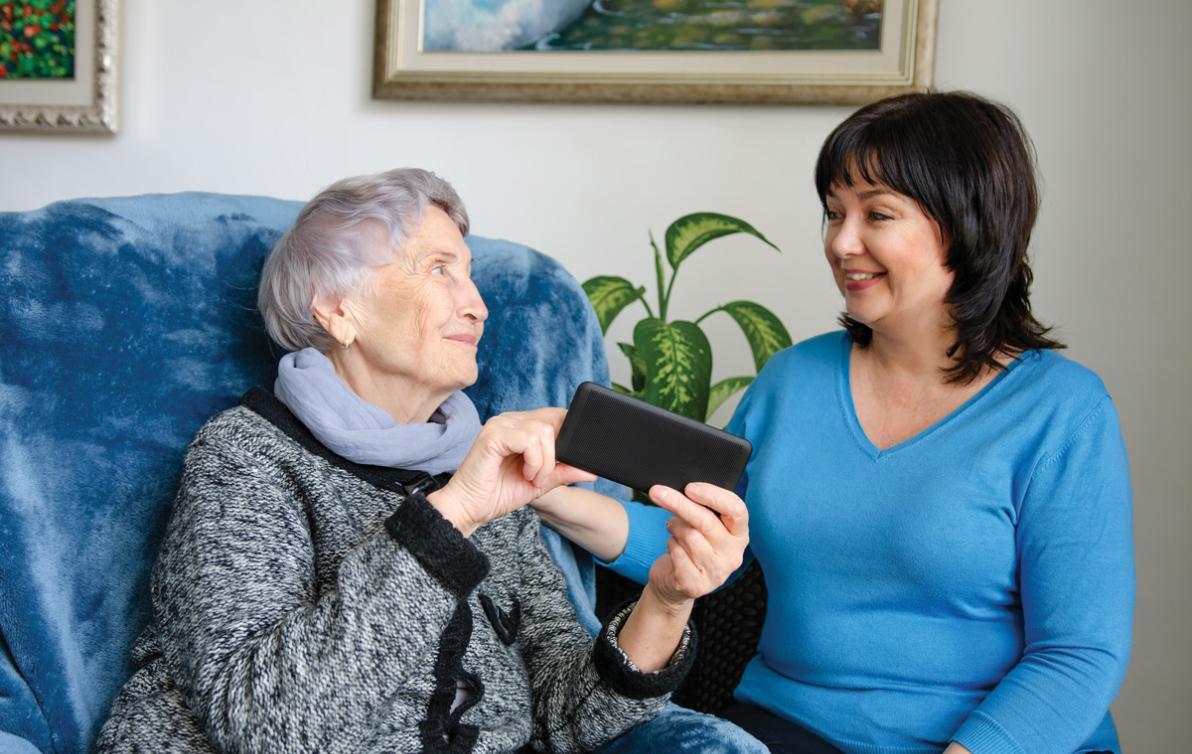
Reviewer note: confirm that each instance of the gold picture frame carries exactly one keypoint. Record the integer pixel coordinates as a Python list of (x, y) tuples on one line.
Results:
[(403, 70), (86, 103)]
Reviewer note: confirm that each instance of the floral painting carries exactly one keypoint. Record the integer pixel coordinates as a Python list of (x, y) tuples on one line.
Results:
[(59, 64), (37, 39)]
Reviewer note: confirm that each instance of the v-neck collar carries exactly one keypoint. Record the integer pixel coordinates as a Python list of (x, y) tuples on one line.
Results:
[(849, 408)]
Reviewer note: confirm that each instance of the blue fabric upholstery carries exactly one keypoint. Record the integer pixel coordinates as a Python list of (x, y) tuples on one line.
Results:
[(127, 323)]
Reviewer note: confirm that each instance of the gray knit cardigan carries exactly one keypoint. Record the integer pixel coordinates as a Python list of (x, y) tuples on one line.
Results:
[(304, 603)]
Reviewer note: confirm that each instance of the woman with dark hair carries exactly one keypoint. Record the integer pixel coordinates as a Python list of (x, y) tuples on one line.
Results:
[(940, 502)]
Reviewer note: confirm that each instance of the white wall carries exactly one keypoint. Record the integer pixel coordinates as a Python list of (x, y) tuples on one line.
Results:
[(272, 97)]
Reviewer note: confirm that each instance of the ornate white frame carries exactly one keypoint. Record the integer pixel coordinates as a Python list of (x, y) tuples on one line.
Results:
[(100, 115)]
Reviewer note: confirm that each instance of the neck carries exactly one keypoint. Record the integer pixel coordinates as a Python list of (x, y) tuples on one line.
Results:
[(407, 401), (917, 353)]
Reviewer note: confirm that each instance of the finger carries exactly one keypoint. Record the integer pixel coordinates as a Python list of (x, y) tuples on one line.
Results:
[(687, 576), (546, 442), (697, 546), (531, 457), (728, 504), (566, 474), (552, 416), (693, 513)]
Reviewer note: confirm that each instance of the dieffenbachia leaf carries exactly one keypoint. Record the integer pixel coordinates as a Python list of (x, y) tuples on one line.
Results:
[(637, 366), (623, 390), (763, 330), (690, 232), (724, 390), (609, 295), (678, 361)]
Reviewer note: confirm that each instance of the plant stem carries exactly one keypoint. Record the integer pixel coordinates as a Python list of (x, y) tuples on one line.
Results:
[(659, 274), (674, 274), (646, 304), (709, 313)]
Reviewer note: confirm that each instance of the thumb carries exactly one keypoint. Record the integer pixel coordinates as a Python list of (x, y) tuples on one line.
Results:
[(567, 474)]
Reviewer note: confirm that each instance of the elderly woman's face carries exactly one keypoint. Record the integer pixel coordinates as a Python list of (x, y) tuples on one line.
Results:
[(887, 256), (424, 317)]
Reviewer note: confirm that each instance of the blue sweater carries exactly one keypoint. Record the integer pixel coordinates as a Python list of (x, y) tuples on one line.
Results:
[(973, 583)]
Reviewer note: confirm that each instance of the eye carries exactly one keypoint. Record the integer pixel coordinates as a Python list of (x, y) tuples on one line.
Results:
[(832, 215), (878, 217), (439, 269)]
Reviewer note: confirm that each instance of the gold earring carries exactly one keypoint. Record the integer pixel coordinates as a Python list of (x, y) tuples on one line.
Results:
[(347, 344)]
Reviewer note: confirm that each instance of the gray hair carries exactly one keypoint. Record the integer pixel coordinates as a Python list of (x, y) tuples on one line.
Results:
[(330, 249)]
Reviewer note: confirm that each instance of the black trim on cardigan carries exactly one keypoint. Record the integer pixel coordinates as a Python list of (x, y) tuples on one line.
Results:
[(441, 730), (441, 549), (260, 401), (616, 670)]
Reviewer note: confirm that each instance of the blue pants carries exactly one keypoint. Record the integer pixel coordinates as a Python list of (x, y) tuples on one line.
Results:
[(683, 731)]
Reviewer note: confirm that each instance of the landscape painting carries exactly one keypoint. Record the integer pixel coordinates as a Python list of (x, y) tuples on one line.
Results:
[(657, 25), (702, 51)]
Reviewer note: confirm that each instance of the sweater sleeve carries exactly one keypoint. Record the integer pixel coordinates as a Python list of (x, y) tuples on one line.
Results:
[(266, 660), (584, 692), (1076, 575)]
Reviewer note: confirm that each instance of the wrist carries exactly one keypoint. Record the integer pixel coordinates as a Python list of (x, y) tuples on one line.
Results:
[(678, 608), (450, 508)]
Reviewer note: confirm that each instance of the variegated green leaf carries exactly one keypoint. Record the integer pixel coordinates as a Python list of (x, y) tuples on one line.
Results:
[(690, 232), (724, 390), (622, 389), (609, 295), (678, 361), (637, 365), (763, 330)]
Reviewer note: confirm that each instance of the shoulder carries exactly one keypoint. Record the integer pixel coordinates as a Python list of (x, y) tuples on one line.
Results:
[(807, 361), (1057, 372), (239, 435), (808, 356), (1060, 390)]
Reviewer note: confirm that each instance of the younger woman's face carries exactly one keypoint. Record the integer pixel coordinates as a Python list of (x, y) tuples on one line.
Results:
[(887, 257)]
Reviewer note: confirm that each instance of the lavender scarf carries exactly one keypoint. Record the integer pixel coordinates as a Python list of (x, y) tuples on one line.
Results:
[(364, 433)]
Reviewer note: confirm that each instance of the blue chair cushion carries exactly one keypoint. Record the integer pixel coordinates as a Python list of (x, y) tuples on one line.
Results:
[(127, 323)]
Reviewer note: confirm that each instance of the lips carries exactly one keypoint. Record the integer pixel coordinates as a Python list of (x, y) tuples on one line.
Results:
[(859, 280), (471, 340)]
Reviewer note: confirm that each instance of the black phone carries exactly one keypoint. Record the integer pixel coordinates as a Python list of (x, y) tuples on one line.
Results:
[(639, 445)]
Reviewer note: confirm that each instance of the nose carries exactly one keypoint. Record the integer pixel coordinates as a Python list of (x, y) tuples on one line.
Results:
[(844, 240), (472, 306)]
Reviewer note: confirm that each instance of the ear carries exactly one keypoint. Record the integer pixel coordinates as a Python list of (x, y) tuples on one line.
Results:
[(336, 318)]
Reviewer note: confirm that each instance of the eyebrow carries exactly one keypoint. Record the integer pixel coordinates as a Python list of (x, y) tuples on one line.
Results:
[(450, 256), (863, 194)]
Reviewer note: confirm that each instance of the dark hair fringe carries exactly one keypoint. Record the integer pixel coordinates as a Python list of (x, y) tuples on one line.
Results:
[(969, 163)]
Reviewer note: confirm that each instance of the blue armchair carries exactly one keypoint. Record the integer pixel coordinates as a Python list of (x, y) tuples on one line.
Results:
[(128, 322)]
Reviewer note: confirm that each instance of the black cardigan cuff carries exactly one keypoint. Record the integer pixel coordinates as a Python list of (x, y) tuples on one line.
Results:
[(446, 554), (618, 671)]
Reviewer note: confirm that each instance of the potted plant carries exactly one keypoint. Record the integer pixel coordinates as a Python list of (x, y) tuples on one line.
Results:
[(671, 359)]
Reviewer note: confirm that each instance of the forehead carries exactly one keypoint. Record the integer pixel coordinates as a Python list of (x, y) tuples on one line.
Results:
[(861, 189), (437, 234)]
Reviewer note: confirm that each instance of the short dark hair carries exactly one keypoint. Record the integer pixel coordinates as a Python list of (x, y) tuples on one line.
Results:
[(969, 164)]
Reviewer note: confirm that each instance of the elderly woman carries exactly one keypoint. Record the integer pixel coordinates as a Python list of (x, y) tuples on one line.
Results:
[(940, 501), (327, 584)]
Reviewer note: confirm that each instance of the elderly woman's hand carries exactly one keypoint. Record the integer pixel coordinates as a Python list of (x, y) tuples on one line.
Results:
[(709, 534), (511, 463)]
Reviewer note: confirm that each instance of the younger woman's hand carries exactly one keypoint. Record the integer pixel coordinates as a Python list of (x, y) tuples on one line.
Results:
[(709, 534), (511, 463)]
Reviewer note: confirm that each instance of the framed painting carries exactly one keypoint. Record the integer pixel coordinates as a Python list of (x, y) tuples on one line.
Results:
[(762, 51), (58, 65)]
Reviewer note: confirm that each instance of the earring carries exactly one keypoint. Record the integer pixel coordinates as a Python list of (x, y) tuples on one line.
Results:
[(347, 344)]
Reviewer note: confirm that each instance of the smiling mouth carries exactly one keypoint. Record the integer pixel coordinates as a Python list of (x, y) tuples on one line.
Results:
[(469, 340), (857, 276)]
